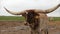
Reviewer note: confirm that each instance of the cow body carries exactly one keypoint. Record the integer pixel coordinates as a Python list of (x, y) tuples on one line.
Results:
[(37, 22)]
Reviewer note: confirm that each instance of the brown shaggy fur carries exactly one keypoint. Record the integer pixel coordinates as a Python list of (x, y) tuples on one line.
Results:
[(33, 22)]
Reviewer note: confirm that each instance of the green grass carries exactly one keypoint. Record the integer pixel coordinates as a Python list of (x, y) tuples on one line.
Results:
[(11, 18), (54, 18), (22, 18)]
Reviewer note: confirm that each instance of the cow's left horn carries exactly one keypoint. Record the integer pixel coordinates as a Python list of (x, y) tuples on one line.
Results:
[(52, 9)]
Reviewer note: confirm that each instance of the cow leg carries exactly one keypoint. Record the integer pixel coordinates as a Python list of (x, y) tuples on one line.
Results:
[(35, 32), (44, 31)]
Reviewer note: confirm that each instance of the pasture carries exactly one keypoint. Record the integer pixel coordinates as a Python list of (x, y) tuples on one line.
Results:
[(20, 18), (15, 25), (14, 18)]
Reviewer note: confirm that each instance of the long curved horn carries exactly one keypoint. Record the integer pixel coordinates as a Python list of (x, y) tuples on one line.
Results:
[(15, 13), (52, 9)]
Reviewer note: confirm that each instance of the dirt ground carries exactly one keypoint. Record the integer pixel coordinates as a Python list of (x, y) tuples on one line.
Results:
[(18, 27)]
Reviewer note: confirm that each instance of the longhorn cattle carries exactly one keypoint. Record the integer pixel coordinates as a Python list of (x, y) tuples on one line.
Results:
[(36, 19)]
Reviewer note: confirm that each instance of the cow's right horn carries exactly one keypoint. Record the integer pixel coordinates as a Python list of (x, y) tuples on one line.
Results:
[(14, 13)]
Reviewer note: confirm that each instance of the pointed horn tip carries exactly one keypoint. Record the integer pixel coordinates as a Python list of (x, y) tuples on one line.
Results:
[(4, 7)]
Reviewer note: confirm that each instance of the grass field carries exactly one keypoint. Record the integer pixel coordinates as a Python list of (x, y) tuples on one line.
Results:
[(22, 18), (17, 27), (11, 18), (54, 18)]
